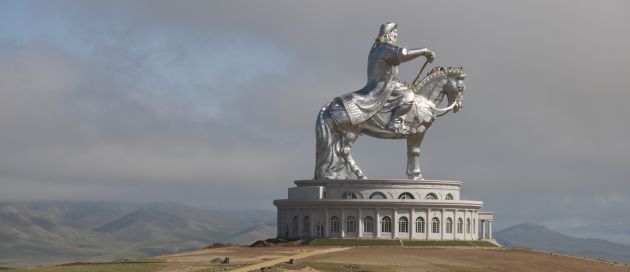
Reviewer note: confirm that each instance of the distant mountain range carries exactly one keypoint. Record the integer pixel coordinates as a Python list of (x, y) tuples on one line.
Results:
[(37, 233), (541, 238), (618, 232)]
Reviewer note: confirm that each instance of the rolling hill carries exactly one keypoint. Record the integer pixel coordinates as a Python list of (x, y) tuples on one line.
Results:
[(541, 238), (37, 233)]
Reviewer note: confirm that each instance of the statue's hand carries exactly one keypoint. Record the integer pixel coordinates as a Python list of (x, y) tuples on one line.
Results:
[(430, 55)]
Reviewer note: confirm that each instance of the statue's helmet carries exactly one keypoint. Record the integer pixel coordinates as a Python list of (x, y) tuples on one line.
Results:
[(386, 28)]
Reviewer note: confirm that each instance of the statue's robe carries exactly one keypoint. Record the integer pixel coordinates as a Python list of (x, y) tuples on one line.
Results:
[(382, 75)]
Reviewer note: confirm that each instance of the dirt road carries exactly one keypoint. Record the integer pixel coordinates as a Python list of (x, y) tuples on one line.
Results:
[(286, 259)]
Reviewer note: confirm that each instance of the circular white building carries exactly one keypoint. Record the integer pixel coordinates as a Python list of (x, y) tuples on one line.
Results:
[(381, 209)]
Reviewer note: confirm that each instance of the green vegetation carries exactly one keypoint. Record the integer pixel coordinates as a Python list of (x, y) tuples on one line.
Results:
[(438, 243), (352, 242), (415, 243), (483, 244), (96, 267)]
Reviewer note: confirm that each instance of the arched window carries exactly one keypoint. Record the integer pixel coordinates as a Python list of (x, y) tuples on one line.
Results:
[(405, 195), (295, 225), (449, 225), (420, 225), (468, 225), (368, 224), (350, 224), (306, 225), (378, 195), (435, 225), (403, 225), (334, 224), (449, 197), (349, 195), (431, 196), (386, 224), (460, 225)]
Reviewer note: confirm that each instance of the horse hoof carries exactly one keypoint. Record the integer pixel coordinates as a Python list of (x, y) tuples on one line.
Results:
[(415, 175)]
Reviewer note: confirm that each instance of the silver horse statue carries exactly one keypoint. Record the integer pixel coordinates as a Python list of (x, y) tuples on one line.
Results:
[(336, 134)]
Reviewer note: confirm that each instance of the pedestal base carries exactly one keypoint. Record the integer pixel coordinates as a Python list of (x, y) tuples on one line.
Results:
[(378, 209)]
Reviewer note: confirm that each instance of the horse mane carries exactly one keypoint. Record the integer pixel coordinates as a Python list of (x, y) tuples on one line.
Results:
[(440, 72)]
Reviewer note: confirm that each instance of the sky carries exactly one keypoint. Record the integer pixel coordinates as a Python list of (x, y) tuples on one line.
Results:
[(213, 103)]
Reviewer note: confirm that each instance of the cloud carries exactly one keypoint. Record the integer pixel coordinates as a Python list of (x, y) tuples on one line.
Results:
[(217, 98)]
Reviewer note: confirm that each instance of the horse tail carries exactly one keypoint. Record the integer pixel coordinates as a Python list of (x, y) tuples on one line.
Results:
[(324, 143)]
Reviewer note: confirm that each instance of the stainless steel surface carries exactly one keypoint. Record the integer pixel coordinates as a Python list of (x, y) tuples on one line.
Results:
[(384, 108)]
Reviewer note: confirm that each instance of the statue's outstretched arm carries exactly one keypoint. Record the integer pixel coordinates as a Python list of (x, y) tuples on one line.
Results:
[(405, 54)]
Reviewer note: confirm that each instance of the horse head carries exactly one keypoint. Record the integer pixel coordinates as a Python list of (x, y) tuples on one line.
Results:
[(454, 88), (441, 82)]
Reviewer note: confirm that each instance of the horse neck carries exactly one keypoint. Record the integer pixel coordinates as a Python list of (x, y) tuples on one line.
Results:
[(433, 91)]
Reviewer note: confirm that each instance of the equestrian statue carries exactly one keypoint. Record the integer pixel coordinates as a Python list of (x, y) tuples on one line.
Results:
[(385, 108)]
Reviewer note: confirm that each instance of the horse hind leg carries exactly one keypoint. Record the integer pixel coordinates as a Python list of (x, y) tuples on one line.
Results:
[(348, 140)]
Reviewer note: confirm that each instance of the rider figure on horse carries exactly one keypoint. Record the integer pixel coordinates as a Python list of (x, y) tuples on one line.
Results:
[(383, 91)]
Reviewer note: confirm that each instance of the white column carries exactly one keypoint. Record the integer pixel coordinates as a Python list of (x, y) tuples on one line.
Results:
[(442, 229), (471, 235), (466, 225), (279, 224), (464, 229), (377, 224), (311, 221), (427, 223), (290, 223), (300, 215), (477, 224), (343, 223), (360, 223), (455, 224), (326, 224), (412, 223), (475, 221), (490, 229), (483, 229), (395, 224)]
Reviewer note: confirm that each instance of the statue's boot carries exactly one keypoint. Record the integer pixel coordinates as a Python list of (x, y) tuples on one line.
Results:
[(397, 117)]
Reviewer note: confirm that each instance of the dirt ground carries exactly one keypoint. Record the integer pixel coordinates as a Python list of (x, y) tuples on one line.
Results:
[(201, 260), (385, 259), (450, 259)]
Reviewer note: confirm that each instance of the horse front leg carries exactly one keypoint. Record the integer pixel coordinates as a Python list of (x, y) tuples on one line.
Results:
[(413, 156), (348, 140)]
